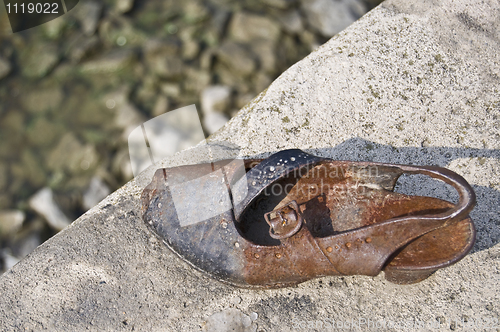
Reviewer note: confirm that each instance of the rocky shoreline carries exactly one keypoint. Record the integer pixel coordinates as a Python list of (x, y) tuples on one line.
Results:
[(72, 88)]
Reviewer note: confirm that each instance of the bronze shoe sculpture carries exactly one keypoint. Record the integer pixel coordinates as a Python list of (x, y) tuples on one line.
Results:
[(301, 217)]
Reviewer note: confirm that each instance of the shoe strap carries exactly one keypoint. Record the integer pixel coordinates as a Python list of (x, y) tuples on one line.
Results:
[(271, 170)]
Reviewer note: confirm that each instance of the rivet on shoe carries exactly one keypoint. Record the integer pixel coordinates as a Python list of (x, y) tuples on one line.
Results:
[(348, 244), (256, 255), (278, 255), (236, 244), (292, 159), (368, 240), (329, 249)]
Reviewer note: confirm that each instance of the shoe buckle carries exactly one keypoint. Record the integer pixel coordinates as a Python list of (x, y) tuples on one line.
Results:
[(285, 221)]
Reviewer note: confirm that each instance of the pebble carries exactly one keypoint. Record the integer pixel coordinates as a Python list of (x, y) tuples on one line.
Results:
[(214, 121), (84, 48), (124, 6), (236, 300), (8, 259), (89, 13), (229, 320), (5, 67), (237, 58), (43, 203), (291, 21), (215, 99), (246, 27), (112, 62), (330, 17), (96, 192), (281, 4), (39, 60), (10, 222)]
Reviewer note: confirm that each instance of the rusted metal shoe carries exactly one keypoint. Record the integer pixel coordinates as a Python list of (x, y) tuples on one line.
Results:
[(294, 216)]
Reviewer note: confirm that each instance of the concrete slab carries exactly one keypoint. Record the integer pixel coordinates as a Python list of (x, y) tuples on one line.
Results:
[(412, 82)]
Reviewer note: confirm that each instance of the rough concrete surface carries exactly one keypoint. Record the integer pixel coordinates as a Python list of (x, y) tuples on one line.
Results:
[(412, 82)]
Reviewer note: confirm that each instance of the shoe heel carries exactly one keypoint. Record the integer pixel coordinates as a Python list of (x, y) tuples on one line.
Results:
[(406, 277)]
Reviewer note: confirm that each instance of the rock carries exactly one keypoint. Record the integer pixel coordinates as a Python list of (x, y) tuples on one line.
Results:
[(160, 47), (89, 13), (215, 99), (8, 260), (169, 67), (229, 320), (245, 27), (281, 4), (31, 168), (309, 38), (84, 48), (128, 118), (206, 58), (146, 93), (28, 242), (54, 28), (117, 30), (167, 134), (28, 238), (329, 17), (244, 99), (261, 81), (5, 201), (171, 89), (5, 67), (43, 99), (195, 12), (121, 165), (161, 106), (219, 21), (196, 80), (190, 49), (39, 60), (124, 6), (43, 203), (4, 176), (42, 132), (239, 83), (291, 21), (214, 121), (112, 62), (162, 58), (10, 222), (117, 98), (96, 192), (72, 156), (237, 58), (266, 52)]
